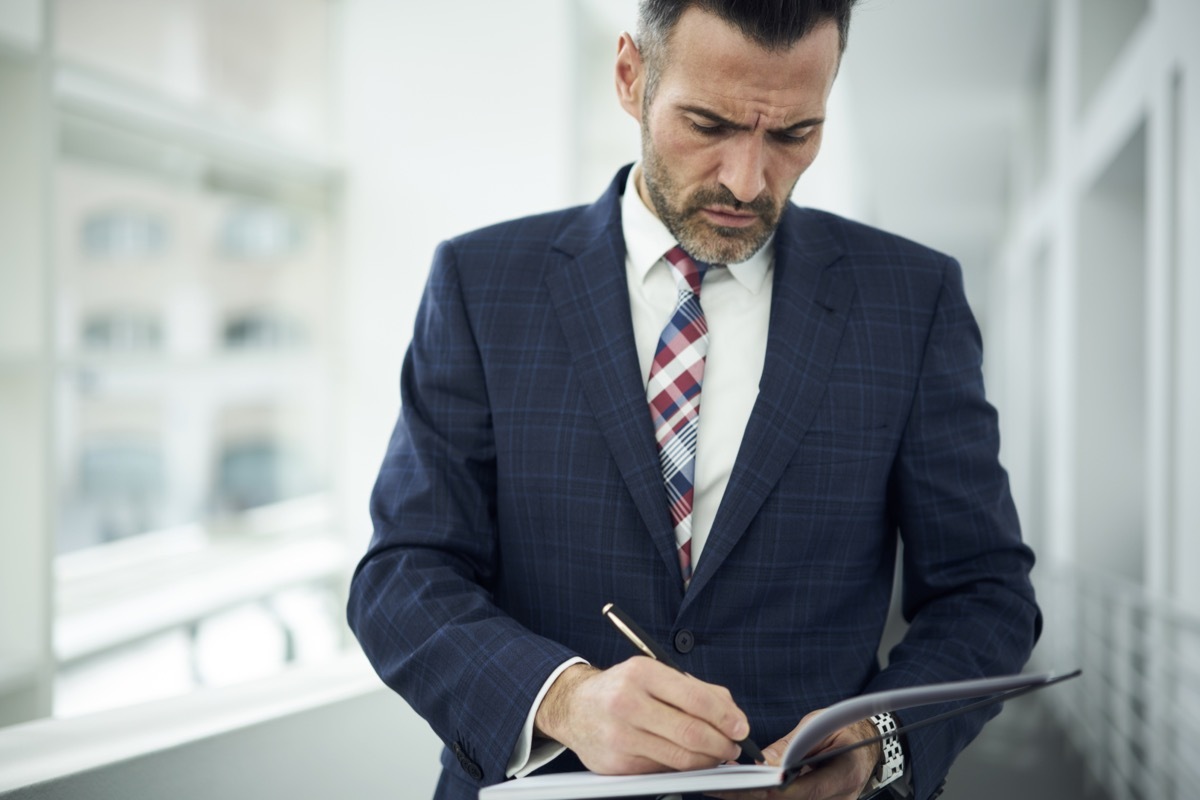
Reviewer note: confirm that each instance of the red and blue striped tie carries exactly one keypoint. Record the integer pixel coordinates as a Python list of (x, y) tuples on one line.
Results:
[(674, 394)]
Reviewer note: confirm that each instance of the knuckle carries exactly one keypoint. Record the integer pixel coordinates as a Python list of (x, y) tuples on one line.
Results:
[(619, 704), (636, 666), (696, 697), (691, 734)]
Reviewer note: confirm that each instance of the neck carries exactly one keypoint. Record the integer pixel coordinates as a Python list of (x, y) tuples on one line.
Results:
[(639, 181)]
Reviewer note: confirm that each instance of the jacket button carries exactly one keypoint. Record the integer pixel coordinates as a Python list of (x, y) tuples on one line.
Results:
[(469, 766), (685, 641)]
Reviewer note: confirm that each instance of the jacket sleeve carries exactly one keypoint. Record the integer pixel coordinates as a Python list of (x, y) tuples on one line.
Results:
[(420, 601), (966, 589)]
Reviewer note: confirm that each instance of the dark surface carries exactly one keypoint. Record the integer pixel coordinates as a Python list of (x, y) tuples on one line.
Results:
[(1023, 753)]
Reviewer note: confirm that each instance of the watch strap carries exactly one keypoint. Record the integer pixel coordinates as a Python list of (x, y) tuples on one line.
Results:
[(891, 765)]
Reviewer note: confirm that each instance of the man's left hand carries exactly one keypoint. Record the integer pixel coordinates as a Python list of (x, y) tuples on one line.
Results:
[(842, 778)]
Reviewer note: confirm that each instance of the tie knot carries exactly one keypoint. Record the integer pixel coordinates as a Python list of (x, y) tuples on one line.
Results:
[(688, 272)]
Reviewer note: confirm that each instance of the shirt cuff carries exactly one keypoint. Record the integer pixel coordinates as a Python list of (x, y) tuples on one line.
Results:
[(526, 757)]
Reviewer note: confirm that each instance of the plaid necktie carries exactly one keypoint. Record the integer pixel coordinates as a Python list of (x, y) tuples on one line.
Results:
[(674, 395)]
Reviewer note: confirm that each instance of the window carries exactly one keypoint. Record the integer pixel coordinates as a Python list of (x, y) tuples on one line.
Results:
[(122, 235), (263, 330), (260, 233), (185, 368), (117, 331), (120, 493)]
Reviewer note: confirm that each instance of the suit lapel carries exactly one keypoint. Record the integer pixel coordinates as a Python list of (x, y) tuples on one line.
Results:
[(809, 306), (591, 297)]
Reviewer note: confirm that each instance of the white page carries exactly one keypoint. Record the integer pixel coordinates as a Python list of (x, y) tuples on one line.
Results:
[(575, 785)]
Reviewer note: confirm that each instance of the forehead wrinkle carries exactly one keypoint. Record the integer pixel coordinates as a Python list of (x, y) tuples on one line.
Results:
[(754, 114)]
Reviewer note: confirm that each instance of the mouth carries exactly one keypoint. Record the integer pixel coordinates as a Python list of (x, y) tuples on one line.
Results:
[(727, 218)]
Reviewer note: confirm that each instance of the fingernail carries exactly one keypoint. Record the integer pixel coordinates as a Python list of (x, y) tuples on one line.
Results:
[(741, 730)]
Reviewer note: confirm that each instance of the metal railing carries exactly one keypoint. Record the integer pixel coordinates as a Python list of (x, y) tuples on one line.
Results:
[(1135, 712)]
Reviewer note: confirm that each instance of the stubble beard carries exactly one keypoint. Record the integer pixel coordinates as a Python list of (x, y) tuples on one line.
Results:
[(683, 217)]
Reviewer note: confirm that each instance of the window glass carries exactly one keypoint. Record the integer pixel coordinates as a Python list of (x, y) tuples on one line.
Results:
[(194, 394)]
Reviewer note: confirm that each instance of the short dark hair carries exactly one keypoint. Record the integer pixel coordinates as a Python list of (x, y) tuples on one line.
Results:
[(773, 24)]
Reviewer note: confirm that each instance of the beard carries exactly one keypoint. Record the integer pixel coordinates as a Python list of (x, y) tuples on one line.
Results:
[(682, 216)]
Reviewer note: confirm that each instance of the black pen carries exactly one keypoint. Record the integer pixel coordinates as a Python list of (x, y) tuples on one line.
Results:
[(634, 633)]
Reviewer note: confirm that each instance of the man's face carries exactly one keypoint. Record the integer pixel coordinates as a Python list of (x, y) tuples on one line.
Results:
[(729, 130)]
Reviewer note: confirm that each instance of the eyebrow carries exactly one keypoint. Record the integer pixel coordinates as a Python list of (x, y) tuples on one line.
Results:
[(712, 116)]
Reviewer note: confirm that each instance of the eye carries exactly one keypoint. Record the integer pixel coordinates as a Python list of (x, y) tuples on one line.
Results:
[(706, 129), (795, 137)]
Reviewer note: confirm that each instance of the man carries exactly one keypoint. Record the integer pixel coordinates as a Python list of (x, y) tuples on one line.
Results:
[(550, 455)]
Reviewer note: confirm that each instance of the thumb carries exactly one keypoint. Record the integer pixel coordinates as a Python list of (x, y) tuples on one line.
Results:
[(774, 751)]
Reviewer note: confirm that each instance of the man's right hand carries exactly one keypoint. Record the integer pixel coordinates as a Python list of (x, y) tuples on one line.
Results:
[(641, 716)]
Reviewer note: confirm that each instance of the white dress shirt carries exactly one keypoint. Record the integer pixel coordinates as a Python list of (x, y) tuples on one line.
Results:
[(737, 307)]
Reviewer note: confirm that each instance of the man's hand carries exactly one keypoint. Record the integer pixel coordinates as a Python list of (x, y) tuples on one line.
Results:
[(841, 778), (641, 716)]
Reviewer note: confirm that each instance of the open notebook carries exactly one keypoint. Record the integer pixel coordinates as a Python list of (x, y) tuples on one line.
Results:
[(572, 785)]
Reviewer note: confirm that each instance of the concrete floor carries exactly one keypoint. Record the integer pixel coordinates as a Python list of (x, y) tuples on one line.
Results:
[(1024, 754)]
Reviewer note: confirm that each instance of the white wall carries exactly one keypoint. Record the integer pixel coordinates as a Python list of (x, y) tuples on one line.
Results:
[(454, 115)]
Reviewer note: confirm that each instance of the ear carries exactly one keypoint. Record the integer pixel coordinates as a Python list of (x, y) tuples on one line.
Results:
[(630, 76)]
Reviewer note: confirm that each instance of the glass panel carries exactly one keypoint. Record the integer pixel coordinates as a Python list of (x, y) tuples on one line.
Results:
[(1110, 368), (167, 287)]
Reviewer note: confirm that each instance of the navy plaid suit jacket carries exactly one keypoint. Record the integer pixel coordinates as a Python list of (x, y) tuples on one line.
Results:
[(521, 492)]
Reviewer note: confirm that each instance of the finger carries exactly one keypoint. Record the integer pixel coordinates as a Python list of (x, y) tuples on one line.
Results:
[(659, 731), (628, 748), (841, 778), (774, 751), (685, 741), (705, 701), (821, 784)]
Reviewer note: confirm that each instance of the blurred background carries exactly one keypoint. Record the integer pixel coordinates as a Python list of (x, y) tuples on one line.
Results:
[(216, 218)]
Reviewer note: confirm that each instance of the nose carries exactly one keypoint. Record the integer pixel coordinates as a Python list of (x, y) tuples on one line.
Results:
[(743, 169)]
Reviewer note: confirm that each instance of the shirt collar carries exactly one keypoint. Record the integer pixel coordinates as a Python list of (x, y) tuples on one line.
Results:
[(647, 240)]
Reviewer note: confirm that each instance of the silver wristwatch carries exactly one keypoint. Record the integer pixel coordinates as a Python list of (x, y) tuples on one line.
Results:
[(891, 766)]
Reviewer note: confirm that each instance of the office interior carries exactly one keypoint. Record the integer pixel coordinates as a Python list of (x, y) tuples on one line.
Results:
[(216, 217)]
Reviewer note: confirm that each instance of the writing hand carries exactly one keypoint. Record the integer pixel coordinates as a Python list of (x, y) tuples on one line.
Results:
[(840, 778), (641, 716)]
